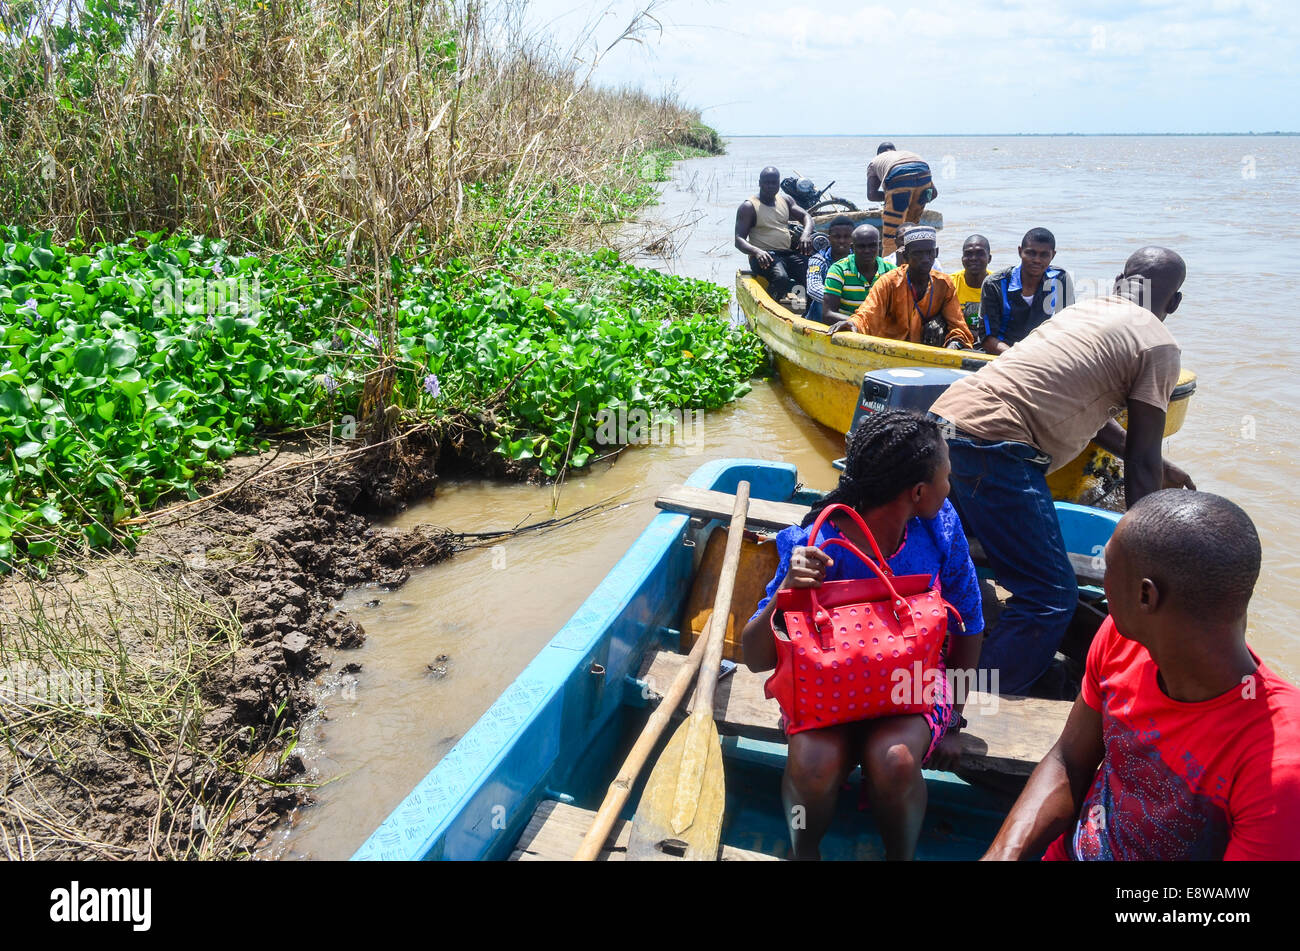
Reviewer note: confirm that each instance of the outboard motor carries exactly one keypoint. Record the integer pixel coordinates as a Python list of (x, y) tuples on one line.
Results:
[(910, 388), (802, 190)]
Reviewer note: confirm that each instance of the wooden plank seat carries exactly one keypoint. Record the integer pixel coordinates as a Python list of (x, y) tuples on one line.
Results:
[(555, 831), (708, 504), (1006, 738)]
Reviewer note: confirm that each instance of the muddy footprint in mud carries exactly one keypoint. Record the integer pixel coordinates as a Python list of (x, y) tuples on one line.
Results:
[(438, 669)]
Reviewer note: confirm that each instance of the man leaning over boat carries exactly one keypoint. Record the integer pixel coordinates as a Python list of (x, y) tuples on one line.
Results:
[(901, 181), (1031, 411)]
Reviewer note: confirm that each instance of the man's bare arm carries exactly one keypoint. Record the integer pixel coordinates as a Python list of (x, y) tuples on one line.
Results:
[(831, 305), (1051, 800), (1143, 461), (874, 190), (746, 218)]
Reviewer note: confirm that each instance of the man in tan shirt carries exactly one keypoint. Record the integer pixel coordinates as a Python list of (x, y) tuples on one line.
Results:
[(1035, 408)]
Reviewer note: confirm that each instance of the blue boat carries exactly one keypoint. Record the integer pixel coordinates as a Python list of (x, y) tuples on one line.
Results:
[(524, 782)]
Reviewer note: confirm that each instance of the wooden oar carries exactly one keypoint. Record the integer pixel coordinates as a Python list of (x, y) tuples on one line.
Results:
[(680, 815), (621, 787)]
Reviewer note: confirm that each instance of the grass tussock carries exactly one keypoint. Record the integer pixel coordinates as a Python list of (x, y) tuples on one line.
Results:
[(109, 689)]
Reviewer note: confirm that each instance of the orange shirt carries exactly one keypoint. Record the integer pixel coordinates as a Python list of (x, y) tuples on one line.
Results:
[(891, 311)]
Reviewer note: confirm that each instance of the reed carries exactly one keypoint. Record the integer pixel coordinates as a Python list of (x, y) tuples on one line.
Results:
[(104, 694), (381, 129), (362, 124)]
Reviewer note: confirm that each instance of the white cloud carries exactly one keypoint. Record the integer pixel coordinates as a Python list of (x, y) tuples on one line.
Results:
[(954, 66)]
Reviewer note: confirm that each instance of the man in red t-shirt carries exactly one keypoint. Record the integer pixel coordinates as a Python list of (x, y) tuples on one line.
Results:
[(1182, 744)]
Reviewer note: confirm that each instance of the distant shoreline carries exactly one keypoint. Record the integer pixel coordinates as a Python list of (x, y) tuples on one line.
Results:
[(1015, 135)]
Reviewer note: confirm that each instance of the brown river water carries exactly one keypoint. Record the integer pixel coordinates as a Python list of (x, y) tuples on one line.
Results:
[(1227, 204)]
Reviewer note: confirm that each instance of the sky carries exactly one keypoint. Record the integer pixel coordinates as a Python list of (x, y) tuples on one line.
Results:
[(950, 67)]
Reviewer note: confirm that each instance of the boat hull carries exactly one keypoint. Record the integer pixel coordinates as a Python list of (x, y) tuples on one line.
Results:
[(824, 374), (560, 729)]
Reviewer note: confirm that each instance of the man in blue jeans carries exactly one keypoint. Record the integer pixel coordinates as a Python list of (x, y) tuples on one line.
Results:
[(1035, 408), (901, 181)]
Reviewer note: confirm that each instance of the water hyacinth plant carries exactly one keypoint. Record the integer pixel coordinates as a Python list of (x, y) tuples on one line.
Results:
[(131, 395)]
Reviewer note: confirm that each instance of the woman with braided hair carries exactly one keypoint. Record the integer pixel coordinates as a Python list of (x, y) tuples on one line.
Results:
[(896, 477)]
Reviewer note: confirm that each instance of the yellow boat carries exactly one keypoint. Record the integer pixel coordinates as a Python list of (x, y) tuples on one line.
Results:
[(824, 373)]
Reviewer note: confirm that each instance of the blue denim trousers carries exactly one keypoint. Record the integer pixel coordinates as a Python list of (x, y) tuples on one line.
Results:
[(1000, 491)]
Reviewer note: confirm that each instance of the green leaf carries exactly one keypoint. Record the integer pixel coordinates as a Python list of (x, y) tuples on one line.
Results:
[(121, 353), (89, 360)]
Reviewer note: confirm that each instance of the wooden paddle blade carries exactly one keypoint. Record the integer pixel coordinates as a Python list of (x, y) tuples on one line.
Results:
[(680, 815)]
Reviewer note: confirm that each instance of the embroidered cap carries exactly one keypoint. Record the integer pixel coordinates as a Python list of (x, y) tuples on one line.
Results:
[(920, 233)]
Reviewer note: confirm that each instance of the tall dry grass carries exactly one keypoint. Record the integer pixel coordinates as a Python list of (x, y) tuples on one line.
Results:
[(356, 122), (370, 127)]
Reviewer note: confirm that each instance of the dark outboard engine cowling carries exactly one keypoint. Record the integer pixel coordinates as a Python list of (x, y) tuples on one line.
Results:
[(802, 190), (910, 388)]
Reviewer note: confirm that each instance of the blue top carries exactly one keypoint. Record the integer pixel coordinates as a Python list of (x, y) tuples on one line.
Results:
[(931, 546), (818, 264), (1006, 315)]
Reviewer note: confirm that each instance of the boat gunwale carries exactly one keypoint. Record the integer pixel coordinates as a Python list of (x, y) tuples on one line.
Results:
[(886, 346)]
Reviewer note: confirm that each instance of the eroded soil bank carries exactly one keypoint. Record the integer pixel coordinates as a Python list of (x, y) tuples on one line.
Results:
[(192, 657)]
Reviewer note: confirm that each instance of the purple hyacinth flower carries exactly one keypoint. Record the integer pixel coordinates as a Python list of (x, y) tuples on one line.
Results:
[(432, 386)]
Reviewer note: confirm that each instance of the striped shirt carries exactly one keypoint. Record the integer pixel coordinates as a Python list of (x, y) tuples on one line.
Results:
[(845, 281)]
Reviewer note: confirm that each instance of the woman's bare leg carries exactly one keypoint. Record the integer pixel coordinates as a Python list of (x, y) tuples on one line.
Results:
[(816, 765), (891, 765)]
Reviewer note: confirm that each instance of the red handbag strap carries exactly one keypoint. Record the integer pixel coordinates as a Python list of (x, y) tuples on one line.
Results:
[(824, 515), (819, 613)]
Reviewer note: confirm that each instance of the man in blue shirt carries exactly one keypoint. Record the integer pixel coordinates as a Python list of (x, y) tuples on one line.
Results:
[(840, 233), (1017, 299)]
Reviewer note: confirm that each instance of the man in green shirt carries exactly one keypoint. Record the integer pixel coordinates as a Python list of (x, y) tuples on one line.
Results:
[(849, 279)]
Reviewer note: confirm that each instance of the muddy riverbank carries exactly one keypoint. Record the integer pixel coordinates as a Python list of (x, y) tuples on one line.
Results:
[(194, 655)]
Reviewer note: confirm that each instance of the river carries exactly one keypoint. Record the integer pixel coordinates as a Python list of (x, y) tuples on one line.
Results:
[(1228, 204)]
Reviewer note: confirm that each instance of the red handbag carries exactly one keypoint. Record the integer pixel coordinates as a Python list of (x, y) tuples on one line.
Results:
[(857, 649)]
